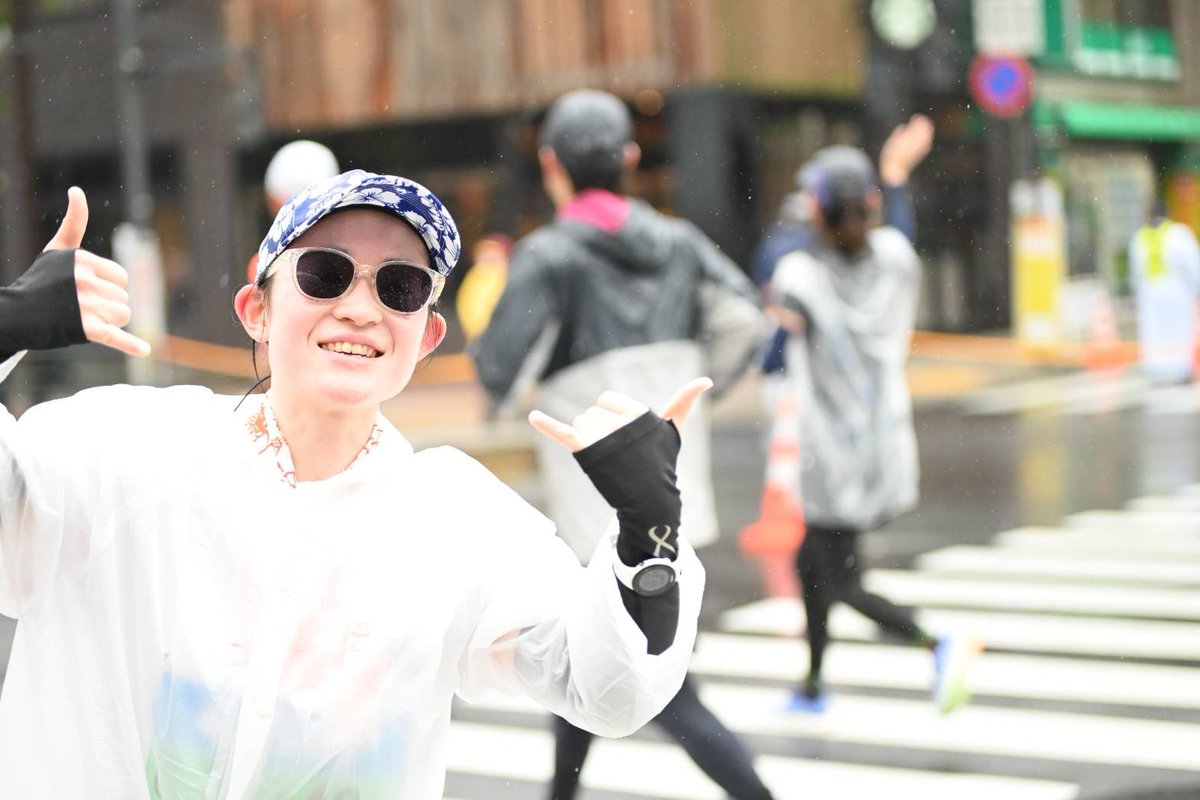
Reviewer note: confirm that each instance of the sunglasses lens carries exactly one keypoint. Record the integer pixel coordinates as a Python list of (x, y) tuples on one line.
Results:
[(403, 287), (323, 275)]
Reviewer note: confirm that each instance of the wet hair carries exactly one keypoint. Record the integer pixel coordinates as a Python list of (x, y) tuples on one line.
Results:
[(588, 131)]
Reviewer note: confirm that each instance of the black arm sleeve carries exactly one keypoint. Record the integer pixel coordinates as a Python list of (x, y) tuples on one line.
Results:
[(40, 311), (633, 468)]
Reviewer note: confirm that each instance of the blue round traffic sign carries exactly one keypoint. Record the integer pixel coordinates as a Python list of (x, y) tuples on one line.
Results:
[(1001, 85)]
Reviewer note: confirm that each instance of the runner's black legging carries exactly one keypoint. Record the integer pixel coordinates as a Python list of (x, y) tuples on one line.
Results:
[(828, 565), (713, 747)]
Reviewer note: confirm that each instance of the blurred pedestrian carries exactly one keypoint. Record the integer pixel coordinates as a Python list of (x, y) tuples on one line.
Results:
[(483, 284), (1164, 269), (793, 229), (613, 293), (772, 539), (849, 301), (276, 596), (293, 167)]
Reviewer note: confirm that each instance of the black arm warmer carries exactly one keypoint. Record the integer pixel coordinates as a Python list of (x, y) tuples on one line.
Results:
[(633, 468), (40, 311)]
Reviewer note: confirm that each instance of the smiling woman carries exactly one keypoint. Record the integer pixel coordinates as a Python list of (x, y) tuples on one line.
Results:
[(280, 598)]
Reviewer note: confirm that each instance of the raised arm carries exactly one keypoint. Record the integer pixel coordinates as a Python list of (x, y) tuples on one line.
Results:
[(905, 148), (69, 296), (611, 642)]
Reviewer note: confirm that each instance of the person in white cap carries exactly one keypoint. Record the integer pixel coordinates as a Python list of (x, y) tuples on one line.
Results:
[(293, 167), (277, 596)]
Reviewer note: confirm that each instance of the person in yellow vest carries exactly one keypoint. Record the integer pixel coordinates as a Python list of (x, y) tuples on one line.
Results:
[(483, 284), (1164, 269)]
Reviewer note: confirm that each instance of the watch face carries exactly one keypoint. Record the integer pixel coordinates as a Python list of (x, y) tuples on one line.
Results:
[(653, 580)]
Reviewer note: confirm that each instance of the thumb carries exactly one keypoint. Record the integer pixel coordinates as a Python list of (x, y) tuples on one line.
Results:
[(70, 231), (681, 404)]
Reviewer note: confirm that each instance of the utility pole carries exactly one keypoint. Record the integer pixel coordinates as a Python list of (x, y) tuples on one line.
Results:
[(131, 108), (16, 156), (135, 245)]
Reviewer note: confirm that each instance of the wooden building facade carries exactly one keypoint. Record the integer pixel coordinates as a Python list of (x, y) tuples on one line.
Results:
[(729, 97)]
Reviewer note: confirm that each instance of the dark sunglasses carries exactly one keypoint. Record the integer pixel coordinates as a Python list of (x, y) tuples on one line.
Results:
[(325, 275)]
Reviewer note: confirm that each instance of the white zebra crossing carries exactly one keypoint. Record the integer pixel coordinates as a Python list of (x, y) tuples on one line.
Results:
[(1074, 393), (1151, 523), (654, 770), (915, 724), (977, 560), (1101, 543), (1082, 393), (1078, 619), (888, 666), (1026, 632)]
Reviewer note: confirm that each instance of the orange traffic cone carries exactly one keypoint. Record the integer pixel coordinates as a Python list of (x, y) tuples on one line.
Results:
[(1103, 352), (774, 537)]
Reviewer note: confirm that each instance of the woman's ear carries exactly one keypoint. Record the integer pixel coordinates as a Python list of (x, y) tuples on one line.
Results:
[(251, 309), (435, 331)]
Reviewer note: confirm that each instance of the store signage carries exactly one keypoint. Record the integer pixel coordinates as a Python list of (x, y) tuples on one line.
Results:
[(1009, 27), (1001, 85), (1039, 262)]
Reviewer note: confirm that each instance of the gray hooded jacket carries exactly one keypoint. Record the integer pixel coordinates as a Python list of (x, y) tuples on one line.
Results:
[(859, 452), (640, 310)]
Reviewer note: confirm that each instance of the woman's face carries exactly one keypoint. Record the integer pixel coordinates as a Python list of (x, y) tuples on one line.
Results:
[(302, 334)]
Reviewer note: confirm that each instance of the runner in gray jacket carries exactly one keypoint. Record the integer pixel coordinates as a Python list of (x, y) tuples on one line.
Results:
[(613, 295)]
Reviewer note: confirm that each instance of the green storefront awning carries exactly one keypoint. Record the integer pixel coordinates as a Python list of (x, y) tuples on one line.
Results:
[(1138, 122)]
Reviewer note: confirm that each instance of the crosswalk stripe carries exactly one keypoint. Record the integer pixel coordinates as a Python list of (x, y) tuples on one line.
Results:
[(1138, 522), (1078, 394), (978, 729), (1173, 400), (998, 674), (656, 770), (993, 561), (1038, 633), (1185, 503), (919, 589), (1100, 543), (1072, 393), (1021, 733)]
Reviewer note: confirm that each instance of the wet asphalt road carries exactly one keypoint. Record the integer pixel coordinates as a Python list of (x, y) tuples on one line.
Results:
[(981, 474)]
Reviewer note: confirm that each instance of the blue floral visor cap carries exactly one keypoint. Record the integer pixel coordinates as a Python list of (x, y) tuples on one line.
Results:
[(408, 200)]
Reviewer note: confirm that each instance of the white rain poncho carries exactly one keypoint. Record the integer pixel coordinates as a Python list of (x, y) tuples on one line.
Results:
[(192, 626), (859, 452)]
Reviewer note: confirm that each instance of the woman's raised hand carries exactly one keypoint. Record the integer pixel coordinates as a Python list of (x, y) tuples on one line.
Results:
[(904, 149), (100, 282), (611, 411)]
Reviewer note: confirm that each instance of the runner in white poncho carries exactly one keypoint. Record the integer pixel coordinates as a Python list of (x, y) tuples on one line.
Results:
[(280, 598)]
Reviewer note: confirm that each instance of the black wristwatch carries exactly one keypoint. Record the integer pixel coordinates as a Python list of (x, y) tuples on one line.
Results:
[(649, 578)]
